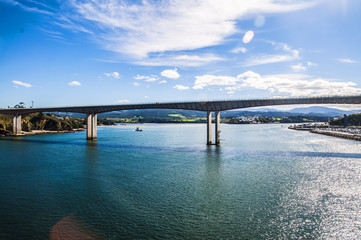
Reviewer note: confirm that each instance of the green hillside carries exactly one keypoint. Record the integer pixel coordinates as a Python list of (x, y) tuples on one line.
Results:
[(40, 121)]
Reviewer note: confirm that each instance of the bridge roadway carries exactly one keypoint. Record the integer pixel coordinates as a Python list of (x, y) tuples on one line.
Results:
[(207, 106)]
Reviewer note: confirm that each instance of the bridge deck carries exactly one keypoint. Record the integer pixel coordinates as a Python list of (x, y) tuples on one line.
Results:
[(197, 106)]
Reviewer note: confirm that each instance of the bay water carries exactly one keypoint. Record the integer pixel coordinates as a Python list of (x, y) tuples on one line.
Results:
[(263, 182)]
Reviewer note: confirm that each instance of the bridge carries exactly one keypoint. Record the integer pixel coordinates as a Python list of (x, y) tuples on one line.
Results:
[(206, 106)]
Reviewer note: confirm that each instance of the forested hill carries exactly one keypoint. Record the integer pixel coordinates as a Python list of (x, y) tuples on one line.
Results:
[(40, 121), (351, 120)]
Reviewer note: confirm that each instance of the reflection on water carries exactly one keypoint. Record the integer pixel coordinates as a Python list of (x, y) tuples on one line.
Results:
[(264, 182), (71, 228)]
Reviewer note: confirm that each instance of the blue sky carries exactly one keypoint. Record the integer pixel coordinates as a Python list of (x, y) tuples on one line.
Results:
[(59, 53)]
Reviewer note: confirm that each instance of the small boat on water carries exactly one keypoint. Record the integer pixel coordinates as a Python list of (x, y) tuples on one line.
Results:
[(138, 129)]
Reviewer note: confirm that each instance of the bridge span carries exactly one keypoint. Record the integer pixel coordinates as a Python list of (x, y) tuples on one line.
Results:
[(206, 106)]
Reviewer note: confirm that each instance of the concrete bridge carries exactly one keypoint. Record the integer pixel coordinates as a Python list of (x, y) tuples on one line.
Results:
[(206, 106)]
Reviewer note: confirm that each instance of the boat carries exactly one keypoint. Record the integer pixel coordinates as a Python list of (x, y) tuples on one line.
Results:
[(138, 129)]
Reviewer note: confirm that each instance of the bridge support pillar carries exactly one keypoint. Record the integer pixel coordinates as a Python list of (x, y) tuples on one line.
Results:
[(218, 121), (209, 128), (17, 124), (91, 126)]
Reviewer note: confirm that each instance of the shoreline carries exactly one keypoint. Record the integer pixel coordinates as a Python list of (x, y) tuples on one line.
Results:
[(40, 132), (348, 133), (343, 135)]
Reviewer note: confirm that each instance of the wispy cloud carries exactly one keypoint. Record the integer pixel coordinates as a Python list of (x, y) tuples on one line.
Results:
[(290, 84), (193, 60), (53, 34), (32, 6), (311, 64), (18, 83), (74, 83), (181, 87), (302, 67), (239, 49), (288, 54), (298, 67), (346, 60), (112, 74), (123, 101), (151, 78), (149, 32), (71, 24), (143, 30)]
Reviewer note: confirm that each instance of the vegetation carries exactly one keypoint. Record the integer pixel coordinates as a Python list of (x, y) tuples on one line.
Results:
[(178, 118), (5, 124), (351, 120), (105, 121), (188, 116), (40, 121), (20, 105), (155, 116)]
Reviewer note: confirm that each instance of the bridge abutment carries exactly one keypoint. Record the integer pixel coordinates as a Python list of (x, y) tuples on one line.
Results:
[(91, 126), (217, 129), (17, 124)]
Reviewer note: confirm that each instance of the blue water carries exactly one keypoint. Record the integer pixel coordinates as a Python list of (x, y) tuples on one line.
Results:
[(263, 182)]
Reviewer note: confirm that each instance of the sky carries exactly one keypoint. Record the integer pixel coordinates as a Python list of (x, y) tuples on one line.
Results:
[(71, 53)]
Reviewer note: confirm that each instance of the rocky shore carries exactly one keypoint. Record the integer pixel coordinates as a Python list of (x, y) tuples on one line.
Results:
[(351, 133), (345, 135)]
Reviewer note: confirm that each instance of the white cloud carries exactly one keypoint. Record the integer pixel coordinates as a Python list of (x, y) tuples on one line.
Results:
[(181, 87), (346, 60), (123, 101), (178, 60), (239, 49), (41, 8), (74, 83), (163, 81), (151, 78), (311, 64), (288, 54), (27, 85), (298, 85), (143, 30), (140, 77), (112, 74), (289, 84), (298, 67), (248, 36), (209, 80), (136, 84), (172, 74)]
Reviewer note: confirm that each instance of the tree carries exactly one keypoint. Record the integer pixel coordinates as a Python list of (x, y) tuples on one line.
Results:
[(20, 105)]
